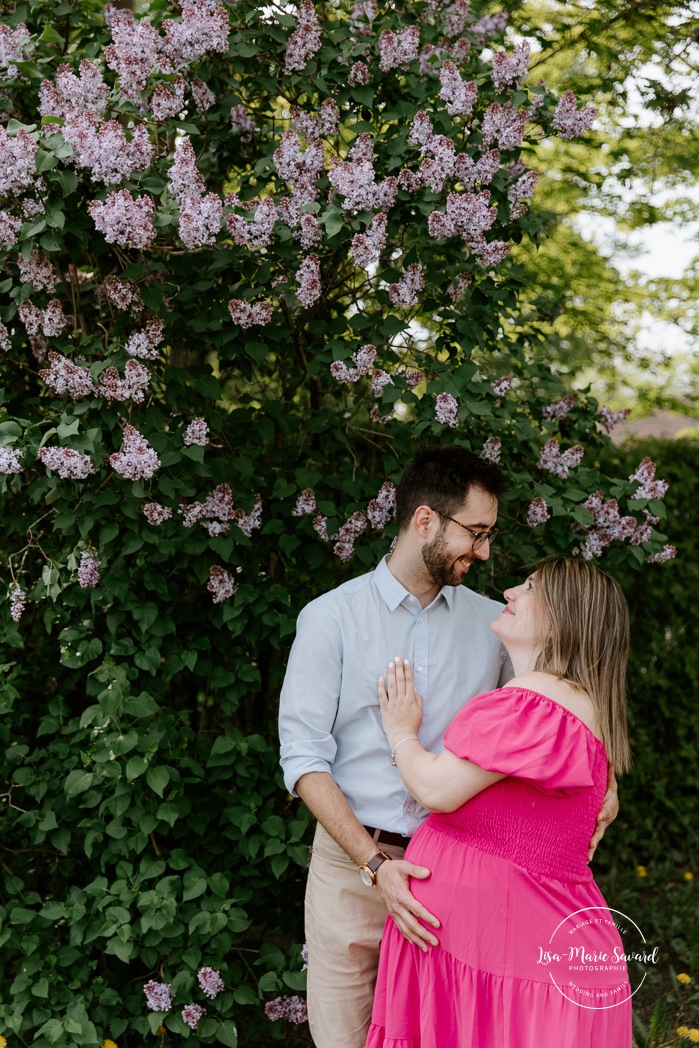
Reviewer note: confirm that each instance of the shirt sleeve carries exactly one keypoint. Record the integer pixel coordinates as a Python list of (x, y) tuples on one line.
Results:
[(526, 735), (310, 697)]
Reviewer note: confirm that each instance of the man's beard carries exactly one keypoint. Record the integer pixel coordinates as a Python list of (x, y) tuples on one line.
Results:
[(440, 562)]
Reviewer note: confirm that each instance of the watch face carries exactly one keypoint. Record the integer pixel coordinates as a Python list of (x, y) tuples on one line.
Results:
[(367, 878)]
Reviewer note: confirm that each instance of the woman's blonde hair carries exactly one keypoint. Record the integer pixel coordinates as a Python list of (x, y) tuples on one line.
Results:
[(587, 642)]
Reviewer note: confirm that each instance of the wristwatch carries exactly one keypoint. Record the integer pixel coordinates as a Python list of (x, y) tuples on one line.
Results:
[(368, 871)]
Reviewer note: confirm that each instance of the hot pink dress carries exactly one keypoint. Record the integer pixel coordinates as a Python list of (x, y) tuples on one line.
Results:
[(522, 920)]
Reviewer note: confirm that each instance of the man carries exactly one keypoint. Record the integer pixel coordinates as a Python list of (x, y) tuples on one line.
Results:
[(334, 753)]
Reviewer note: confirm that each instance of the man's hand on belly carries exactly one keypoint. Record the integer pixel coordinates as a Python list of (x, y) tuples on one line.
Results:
[(392, 881)]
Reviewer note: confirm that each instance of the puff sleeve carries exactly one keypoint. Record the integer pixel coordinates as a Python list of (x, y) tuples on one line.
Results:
[(521, 733)]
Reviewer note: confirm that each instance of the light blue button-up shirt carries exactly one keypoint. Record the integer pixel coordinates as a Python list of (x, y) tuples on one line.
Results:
[(329, 718)]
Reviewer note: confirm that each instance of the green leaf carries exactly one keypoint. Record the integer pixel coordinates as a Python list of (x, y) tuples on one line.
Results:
[(158, 778), (135, 766), (78, 782), (227, 1033)]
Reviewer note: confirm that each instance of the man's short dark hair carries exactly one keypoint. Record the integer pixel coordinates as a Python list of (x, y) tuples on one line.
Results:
[(441, 477)]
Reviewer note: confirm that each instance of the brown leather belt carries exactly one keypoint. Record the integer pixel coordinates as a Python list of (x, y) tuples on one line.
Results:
[(400, 840)]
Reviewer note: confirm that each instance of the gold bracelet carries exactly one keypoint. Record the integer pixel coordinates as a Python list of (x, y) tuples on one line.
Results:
[(408, 738)]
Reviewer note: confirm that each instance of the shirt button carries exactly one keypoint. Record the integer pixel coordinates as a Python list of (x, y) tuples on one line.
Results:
[(419, 669)]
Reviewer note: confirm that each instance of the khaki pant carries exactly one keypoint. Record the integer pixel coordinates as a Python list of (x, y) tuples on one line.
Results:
[(344, 923)]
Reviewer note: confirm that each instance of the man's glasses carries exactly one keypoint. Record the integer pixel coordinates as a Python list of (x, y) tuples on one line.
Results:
[(479, 537)]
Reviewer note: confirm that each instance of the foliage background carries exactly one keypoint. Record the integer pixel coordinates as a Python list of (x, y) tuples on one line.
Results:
[(144, 829)]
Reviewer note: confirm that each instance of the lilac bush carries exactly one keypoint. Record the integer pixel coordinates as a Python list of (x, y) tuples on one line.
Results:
[(251, 255)]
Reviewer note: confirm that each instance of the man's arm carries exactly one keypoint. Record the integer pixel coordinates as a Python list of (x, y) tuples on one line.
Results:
[(322, 795), (607, 813)]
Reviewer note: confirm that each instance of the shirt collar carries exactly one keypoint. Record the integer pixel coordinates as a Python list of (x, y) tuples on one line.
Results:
[(394, 592)]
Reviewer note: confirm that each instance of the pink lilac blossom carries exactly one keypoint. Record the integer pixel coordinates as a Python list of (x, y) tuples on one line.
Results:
[(222, 586), (455, 17), (398, 49), (413, 378), (376, 416), (554, 461), (184, 178), (192, 1013), (489, 26), (63, 376), (490, 253), (155, 513), (31, 208), (421, 130), (10, 228), (242, 123), (258, 233), (347, 536), (89, 570), (131, 387), (511, 68), (308, 232), (106, 152), (135, 53), (460, 96), (522, 190), (217, 509), (144, 344), (54, 319), (611, 419), (362, 148), (168, 100), (72, 95), (362, 15), (503, 125), (316, 125), (356, 181), (308, 279), (69, 464), (296, 164), (667, 553), (537, 513), (249, 522), (17, 162), (560, 408), (10, 460), (5, 342), (491, 450), (648, 487), (405, 292), (293, 1009), (305, 503), (320, 526), (570, 122), (467, 215), (502, 385), (38, 271), (609, 526), (122, 293), (439, 162), (124, 219), (203, 28), (379, 380), (158, 996), (18, 600), (202, 94), (246, 314), (380, 510), (446, 408), (200, 220), (364, 361), (137, 460), (305, 40), (210, 982), (14, 43), (458, 287), (197, 432), (359, 75)]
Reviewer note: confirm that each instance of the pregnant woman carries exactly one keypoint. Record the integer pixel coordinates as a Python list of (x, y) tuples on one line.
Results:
[(529, 955)]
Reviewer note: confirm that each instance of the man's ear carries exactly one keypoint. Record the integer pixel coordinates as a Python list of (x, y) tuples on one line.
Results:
[(422, 519)]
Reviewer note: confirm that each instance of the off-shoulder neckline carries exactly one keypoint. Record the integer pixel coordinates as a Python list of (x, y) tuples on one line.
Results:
[(547, 698)]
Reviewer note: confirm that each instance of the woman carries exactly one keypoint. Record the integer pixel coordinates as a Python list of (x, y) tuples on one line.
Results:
[(528, 954)]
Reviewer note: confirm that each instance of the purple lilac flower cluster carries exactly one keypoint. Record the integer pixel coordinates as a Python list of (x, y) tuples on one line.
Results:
[(64, 377), (611, 419), (158, 996), (221, 584), (305, 40), (197, 432), (10, 460), (569, 121), (381, 509), (69, 464), (405, 292), (144, 344), (18, 600), (364, 361), (648, 487), (89, 570), (553, 460), (210, 981), (132, 387), (560, 409), (137, 460), (192, 1013), (491, 450), (246, 314), (293, 1009), (446, 408), (155, 513), (537, 513)]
